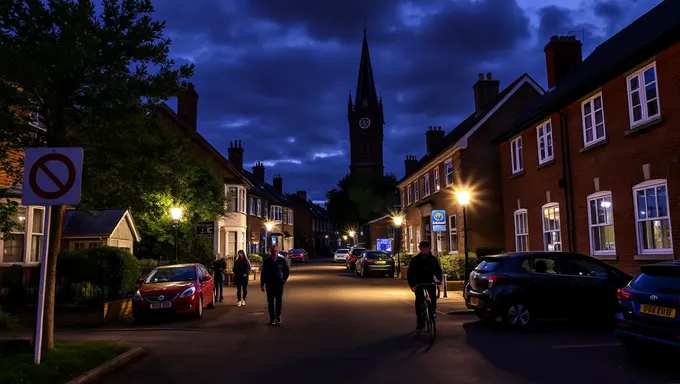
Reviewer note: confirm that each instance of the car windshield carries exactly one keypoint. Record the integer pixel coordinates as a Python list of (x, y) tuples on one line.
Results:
[(342, 251), (357, 251), (376, 255), (297, 250), (171, 274)]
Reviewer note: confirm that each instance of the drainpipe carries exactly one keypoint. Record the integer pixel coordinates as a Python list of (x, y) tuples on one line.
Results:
[(566, 182)]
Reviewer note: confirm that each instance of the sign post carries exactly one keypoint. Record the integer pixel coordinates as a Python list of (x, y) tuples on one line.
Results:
[(52, 176)]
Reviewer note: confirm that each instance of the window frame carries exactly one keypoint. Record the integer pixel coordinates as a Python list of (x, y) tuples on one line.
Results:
[(251, 205), (591, 101), (644, 186), (416, 190), (546, 231), (639, 74), (259, 207), (521, 236), (403, 197), (515, 148), (453, 231), (409, 193), (547, 139), (448, 165), (33, 235), (410, 239), (437, 184), (597, 196), (426, 185)]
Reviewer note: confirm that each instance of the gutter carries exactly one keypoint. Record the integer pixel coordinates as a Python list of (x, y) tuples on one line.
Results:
[(566, 182)]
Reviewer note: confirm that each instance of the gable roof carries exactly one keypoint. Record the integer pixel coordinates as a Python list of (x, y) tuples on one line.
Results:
[(458, 135), (263, 189), (96, 223), (653, 32)]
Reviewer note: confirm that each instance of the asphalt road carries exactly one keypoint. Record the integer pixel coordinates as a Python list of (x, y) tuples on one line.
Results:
[(341, 329)]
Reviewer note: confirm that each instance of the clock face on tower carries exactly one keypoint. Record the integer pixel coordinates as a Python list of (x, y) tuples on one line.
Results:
[(364, 123)]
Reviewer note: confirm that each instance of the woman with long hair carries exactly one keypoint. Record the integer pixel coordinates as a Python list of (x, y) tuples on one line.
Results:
[(242, 269)]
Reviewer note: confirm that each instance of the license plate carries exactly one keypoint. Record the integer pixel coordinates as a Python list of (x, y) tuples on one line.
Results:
[(474, 301), (160, 305), (381, 262), (657, 311)]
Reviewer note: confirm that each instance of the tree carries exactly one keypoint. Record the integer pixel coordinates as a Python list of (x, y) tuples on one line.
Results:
[(359, 199), (94, 78)]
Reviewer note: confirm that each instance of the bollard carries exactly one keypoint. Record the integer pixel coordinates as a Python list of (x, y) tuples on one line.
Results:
[(445, 284)]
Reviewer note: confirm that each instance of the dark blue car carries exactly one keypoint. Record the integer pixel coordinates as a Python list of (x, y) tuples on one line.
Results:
[(649, 307)]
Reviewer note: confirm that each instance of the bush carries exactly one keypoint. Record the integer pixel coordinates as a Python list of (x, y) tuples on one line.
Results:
[(7, 322), (146, 266), (16, 291), (403, 258), (255, 258), (488, 251), (454, 265)]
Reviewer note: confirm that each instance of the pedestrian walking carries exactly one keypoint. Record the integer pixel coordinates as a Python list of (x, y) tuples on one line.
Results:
[(273, 277), (219, 266), (242, 268)]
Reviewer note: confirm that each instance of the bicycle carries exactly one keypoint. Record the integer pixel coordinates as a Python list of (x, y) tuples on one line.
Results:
[(428, 311)]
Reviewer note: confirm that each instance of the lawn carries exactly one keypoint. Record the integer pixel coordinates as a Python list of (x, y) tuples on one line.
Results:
[(66, 361)]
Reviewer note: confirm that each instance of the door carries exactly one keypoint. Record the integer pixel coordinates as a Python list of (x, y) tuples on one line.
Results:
[(546, 289), (594, 292)]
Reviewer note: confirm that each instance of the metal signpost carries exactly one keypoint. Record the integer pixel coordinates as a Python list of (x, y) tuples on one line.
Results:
[(438, 224), (52, 176)]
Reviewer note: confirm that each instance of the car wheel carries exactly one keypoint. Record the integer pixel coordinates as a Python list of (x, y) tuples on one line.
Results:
[(212, 302), (484, 315), (518, 316), (199, 310)]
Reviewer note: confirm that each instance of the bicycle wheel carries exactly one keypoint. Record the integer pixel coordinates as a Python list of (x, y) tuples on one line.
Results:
[(431, 324)]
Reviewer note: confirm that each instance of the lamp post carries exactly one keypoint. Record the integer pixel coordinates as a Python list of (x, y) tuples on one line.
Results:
[(398, 221), (268, 226), (352, 234), (464, 199), (344, 237), (176, 214)]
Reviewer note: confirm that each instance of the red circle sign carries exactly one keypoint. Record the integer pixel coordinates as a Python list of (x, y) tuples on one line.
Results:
[(62, 186)]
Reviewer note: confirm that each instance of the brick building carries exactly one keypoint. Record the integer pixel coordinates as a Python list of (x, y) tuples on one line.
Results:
[(464, 158), (316, 232), (593, 167)]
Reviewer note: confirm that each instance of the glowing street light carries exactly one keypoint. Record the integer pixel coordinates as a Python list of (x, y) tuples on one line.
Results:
[(269, 225), (344, 237), (176, 214), (398, 221), (463, 198), (351, 233)]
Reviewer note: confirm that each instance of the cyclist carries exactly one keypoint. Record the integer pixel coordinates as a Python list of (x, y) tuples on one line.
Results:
[(422, 269)]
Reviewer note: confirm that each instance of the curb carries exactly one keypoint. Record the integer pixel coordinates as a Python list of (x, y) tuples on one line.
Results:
[(98, 372)]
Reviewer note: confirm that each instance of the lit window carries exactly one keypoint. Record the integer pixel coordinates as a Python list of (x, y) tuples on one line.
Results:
[(552, 237), (436, 180), (448, 172), (601, 223), (652, 218)]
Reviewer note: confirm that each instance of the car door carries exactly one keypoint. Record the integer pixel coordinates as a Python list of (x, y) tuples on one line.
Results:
[(591, 283), (543, 285), (205, 281)]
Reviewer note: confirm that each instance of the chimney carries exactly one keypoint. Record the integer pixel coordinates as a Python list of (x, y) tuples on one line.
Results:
[(236, 154), (278, 184), (410, 164), (562, 53), (258, 171), (434, 137), (485, 90), (302, 195), (187, 105)]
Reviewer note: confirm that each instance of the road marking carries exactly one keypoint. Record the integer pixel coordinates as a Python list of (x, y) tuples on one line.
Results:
[(586, 345)]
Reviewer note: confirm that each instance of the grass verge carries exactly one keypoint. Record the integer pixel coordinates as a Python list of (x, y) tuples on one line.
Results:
[(66, 361)]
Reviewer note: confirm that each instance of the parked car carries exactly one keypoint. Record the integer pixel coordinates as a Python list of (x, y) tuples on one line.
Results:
[(340, 255), (526, 286), (177, 289), (299, 255), (648, 308), (374, 263), (352, 257)]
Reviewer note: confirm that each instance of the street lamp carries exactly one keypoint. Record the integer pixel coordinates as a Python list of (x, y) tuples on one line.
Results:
[(351, 234), (463, 198), (268, 226), (344, 237), (176, 214), (398, 221)]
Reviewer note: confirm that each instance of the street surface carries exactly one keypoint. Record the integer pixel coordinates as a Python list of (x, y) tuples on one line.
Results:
[(341, 329)]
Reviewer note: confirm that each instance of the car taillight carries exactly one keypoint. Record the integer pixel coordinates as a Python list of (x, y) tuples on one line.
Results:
[(494, 280), (622, 294), (369, 260)]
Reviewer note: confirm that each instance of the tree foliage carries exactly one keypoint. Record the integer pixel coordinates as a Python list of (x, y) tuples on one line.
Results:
[(359, 199)]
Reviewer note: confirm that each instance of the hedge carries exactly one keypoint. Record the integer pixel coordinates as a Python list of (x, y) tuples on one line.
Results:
[(255, 258)]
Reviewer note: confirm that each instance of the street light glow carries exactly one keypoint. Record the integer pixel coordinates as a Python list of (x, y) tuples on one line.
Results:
[(351, 233), (463, 197), (269, 226), (344, 237), (176, 213), (398, 220)]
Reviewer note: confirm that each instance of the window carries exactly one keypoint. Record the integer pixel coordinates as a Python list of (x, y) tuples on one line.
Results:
[(276, 213), (544, 264), (436, 180), (426, 183), (409, 194), (601, 223), (575, 266), (521, 231), (410, 240), (251, 205), (13, 245), (593, 120), (545, 142), (231, 243), (552, 238), (259, 207), (652, 219), (242, 200), (266, 210), (453, 234), (403, 197), (448, 172), (37, 232), (290, 216), (516, 155), (285, 216), (416, 189), (238, 199), (643, 96)]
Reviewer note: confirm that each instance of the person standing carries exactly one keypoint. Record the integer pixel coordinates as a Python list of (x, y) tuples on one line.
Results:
[(423, 269), (273, 277), (219, 267), (242, 268)]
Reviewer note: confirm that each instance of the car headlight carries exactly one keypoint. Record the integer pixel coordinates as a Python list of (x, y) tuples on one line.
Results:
[(188, 292), (137, 296)]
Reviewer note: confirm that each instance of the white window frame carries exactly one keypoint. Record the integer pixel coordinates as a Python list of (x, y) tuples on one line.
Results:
[(448, 172), (558, 229), (410, 240), (591, 226), (437, 185), (521, 217), (409, 193), (259, 207), (426, 183), (242, 199), (416, 190), (516, 156), (644, 186), (453, 231), (544, 136), (265, 210), (238, 196), (276, 214), (291, 217), (593, 112), (36, 237), (251, 205), (644, 116)]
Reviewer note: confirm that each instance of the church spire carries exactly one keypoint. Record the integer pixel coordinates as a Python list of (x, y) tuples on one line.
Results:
[(365, 84)]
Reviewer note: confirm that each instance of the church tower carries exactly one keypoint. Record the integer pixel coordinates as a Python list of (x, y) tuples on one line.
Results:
[(366, 122)]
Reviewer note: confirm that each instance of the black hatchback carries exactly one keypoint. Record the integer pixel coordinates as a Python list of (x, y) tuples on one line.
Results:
[(526, 286)]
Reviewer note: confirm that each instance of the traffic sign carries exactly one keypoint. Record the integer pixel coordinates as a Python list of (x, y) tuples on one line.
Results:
[(52, 176), (205, 229), (438, 220)]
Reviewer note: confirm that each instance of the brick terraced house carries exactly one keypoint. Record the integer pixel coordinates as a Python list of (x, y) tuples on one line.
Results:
[(465, 156), (316, 232), (594, 167)]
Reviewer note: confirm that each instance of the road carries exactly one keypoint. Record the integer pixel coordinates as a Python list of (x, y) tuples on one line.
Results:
[(340, 329)]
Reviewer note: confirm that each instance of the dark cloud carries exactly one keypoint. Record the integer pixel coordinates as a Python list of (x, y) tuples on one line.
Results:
[(276, 74)]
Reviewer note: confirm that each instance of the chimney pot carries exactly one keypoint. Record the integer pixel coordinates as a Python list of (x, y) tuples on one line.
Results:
[(481, 76), (485, 90), (562, 54), (235, 153), (433, 138), (488, 76)]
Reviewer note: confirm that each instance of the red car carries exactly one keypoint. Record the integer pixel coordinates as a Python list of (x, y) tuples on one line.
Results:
[(354, 254), (177, 289), (298, 255)]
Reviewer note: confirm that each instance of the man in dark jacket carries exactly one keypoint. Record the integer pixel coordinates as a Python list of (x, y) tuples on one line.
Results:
[(219, 266), (423, 269), (273, 276)]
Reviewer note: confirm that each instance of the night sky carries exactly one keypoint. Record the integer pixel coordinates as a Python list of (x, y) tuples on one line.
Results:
[(276, 74)]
